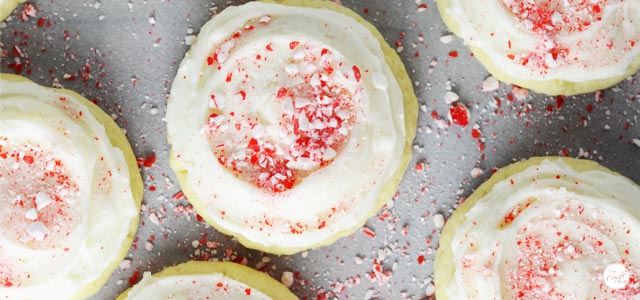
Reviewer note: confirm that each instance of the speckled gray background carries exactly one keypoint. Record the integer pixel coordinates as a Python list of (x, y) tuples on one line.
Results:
[(124, 54)]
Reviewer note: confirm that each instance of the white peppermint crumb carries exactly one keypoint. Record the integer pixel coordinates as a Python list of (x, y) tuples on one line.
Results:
[(153, 111), (31, 214), (520, 93), (188, 40), (287, 279), (607, 127), (476, 172), (637, 142), (119, 282), (154, 219), (195, 243), (428, 130), (445, 39), (125, 264), (304, 254), (438, 220), (598, 95), (37, 230), (381, 254), (42, 200), (152, 20), (490, 84), (101, 17), (441, 124), (400, 49), (358, 260), (582, 153), (148, 246), (450, 97), (430, 290), (369, 294)]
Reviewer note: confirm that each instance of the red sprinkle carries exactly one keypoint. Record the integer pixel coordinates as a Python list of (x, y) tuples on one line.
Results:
[(356, 72), (178, 195), (559, 101), (282, 92), (293, 45), (459, 115), (476, 133), (453, 54), (368, 232), (243, 94), (28, 159), (149, 161), (134, 278)]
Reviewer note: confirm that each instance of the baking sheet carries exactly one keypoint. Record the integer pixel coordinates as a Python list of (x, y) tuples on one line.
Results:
[(124, 55)]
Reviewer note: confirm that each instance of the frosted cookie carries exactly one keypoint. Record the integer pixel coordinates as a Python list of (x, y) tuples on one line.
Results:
[(551, 47), (70, 196), (208, 280), (545, 228), (290, 123), (7, 7)]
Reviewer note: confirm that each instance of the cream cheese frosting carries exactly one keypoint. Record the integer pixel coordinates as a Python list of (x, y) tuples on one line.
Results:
[(287, 122), (549, 232), (193, 286), (66, 201), (569, 40)]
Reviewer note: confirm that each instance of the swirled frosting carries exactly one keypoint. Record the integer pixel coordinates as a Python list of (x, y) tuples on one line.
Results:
[(203, 286), (549, 232), (66, 202), (575, 40), (287, 121)]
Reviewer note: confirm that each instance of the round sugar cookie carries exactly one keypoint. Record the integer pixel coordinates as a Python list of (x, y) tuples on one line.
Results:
[(208, 280), (551, 47), (290, 123), (71, 193), (544, 228)]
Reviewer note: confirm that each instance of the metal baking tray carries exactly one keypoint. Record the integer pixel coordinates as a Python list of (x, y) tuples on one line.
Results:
[(124, 54)]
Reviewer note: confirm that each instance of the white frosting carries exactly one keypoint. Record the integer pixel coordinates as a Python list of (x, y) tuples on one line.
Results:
[(66, 202), (573, 40), (286, 47), (567, 232), (182, 287)]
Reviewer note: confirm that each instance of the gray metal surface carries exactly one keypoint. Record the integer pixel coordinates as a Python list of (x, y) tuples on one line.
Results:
[(124, 55)]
